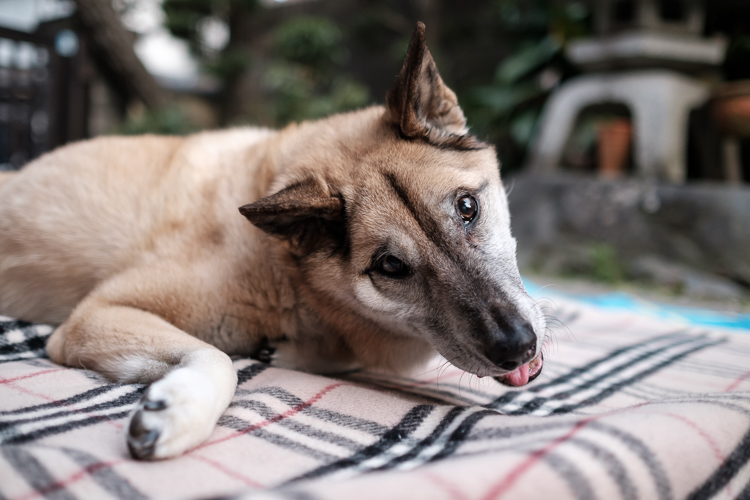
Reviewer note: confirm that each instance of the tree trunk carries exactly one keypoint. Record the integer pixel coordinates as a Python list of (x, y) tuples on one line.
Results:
[(114, 43)]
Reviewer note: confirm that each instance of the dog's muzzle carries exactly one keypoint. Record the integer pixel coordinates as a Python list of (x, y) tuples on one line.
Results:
[(512, 346)]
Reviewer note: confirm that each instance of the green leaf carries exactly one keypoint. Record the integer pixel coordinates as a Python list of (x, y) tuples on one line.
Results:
[(526, 61), (503, 100), (312, 41), (522, 127)]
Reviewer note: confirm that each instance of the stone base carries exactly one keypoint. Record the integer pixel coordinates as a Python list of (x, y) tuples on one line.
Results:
[(652, 230)]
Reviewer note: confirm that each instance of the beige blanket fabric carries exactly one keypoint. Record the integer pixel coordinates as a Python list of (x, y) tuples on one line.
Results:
[(627, 407)]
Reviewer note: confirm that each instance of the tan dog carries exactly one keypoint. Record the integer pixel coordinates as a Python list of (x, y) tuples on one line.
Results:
[(378, 237)]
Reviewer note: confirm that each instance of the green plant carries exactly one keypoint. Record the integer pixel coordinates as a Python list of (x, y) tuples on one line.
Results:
[(170, 121), (605, 265), (314, 42), (507, 109), (306, 79)]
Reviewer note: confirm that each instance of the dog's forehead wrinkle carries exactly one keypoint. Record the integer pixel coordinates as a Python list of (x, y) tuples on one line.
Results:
[(420, 213), (460, 260)]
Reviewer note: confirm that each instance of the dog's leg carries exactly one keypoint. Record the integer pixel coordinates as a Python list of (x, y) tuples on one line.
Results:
[(192, 382)]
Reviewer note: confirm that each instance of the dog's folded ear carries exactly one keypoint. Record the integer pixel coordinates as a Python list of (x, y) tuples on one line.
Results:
[(419, 104), (305, 214)]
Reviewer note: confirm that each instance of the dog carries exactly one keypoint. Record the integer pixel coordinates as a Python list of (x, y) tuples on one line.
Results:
[(375, 238)]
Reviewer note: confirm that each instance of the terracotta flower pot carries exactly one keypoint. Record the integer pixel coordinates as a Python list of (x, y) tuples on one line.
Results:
[(731, 108), (614, 147)]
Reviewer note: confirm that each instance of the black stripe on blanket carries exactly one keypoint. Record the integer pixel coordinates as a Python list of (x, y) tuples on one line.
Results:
[(642, 451), (615, 467), (269, 415), (274, 438), (632, 380), (569, 473), (65, 427), (14, 423), (307, 431), (35, 473), (612, 357), (328, 416), (12, 431), (623, 363), (105, 476), (721, 476), (425, 443), (84, 396), (250, 372), (408, 424), (22, 340)]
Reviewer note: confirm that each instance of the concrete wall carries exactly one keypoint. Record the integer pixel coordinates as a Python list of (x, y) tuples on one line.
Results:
[(705, 227)]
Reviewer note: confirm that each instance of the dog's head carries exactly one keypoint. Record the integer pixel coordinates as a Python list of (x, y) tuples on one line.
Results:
[(399, 216)]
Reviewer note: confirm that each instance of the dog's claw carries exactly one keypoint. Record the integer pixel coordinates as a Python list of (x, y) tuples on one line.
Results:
[(143, 446), (136, 428), (141, 439), (154, 405)]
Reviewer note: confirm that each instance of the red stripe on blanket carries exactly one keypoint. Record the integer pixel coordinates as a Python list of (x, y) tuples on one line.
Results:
[(714, 447), (500, 488), (737, 382), (236, 475), (286, 414), (446, 486), (57, 485), (509, 480), (30, 375)]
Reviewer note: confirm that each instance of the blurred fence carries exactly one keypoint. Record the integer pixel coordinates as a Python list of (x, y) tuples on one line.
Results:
[(38, 87)]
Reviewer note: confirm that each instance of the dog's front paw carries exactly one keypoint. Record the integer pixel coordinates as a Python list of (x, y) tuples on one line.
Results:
[(175, 414)]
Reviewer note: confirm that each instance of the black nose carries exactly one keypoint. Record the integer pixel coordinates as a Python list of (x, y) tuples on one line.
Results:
[(514, 346)]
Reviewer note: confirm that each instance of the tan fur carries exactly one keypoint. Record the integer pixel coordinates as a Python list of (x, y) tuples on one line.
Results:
[(134, 246), (6, 177)]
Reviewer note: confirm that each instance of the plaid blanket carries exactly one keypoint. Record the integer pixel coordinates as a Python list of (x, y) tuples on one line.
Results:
[(627, 407)]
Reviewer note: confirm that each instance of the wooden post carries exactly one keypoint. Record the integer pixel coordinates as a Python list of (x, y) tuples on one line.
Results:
[(114, 43)]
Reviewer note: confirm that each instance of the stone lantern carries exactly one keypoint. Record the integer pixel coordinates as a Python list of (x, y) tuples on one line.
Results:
[(683, 17), (648, 55)]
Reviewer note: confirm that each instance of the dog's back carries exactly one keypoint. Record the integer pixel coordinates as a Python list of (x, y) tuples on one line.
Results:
[(60, 235)]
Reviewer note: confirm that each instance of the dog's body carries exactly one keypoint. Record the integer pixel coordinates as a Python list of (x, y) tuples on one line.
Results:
[(380, 236)]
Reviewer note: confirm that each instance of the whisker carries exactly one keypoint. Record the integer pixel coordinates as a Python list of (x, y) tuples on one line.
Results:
[(510, 189)]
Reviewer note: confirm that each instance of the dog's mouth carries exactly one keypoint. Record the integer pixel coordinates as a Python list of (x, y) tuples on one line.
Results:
[(524, 373)]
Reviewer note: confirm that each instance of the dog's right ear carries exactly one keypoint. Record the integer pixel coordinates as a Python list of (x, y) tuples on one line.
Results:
[(419, 104), (305, 215)]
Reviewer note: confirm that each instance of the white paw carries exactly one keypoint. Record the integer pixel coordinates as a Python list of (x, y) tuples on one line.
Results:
[(175, 414)]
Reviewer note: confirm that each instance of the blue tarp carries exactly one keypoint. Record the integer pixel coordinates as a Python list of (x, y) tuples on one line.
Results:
[(623, 300)]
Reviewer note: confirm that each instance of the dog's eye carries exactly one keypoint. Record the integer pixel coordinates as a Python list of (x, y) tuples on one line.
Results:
[(391, 265), (467, 208)]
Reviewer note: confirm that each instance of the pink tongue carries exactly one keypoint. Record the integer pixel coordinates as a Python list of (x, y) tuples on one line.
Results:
[(519, 376)]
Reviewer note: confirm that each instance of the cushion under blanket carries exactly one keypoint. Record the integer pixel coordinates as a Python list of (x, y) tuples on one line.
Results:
[(627, 407)]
